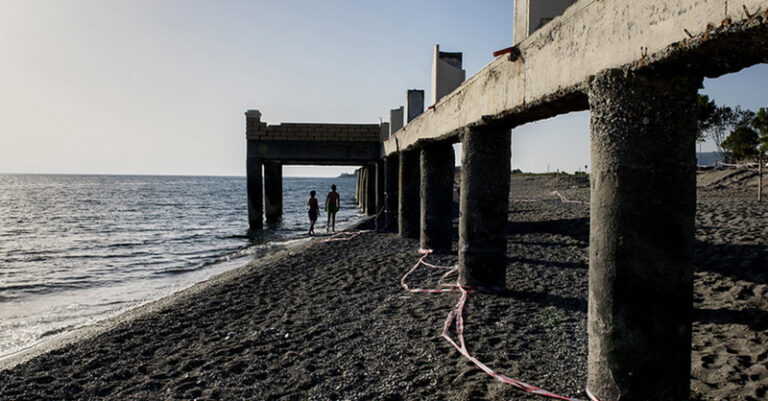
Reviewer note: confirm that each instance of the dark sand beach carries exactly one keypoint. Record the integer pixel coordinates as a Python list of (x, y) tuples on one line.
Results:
[(329, 321)]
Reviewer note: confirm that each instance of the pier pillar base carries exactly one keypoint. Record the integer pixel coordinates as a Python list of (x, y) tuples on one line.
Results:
[(391, 199), (484, 202), (643, 204), (437, 170), (273, 191), (408, 195), (255, 186)]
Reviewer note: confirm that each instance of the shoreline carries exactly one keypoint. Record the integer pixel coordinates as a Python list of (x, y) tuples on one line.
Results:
[(330, 320), (70, 336)]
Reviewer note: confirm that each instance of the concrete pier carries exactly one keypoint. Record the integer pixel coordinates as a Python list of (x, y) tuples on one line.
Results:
[(408, 194), (255, 187), (370, 189), (643, 205), (638, 73), (484, 202), (391, 197), (437, 170), (273, 191)]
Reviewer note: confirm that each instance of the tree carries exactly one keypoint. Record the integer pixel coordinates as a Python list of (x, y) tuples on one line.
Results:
[(760, 123), (705, 113), (742, 143), (725, 120)]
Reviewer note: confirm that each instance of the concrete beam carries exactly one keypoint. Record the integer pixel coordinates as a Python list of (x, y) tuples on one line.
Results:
[(643, 204), (551, 74), (309, 152)]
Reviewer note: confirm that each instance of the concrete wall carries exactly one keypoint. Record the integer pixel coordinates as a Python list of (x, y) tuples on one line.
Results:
[(530, 15), (313, 132), (557, 61), (311, 143), (447, 74), (384, 132), (395, 120), (414, 103)]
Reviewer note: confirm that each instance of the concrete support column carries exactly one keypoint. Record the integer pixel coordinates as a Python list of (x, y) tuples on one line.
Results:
[(414, 103), (363, 189), (643, 204), (273, 191), (255, 186), (370, 189), (437, 161), (484, 201), (358, 185), (408, 194), (391, 197), (380, 207)]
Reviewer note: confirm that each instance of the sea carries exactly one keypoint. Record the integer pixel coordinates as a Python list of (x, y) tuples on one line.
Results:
[(76, 249)]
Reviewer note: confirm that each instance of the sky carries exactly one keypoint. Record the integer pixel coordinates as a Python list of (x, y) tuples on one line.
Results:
[(161, 86)]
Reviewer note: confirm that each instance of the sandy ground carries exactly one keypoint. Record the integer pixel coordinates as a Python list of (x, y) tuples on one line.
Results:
[(329, 321)]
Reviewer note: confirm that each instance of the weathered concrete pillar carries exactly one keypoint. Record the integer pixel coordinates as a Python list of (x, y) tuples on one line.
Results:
[(273, 191), (484, 201), (447, 74), (380, 219), (643, 204), (408, 194), (391, 197), (437, 161), (395, 120), (254, 188), (359, 188), (414, 103), (370, 189)]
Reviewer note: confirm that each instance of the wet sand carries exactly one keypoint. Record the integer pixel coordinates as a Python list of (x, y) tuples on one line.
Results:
[(328, 321)]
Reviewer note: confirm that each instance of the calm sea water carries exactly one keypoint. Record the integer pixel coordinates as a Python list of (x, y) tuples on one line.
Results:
[(75, 249)]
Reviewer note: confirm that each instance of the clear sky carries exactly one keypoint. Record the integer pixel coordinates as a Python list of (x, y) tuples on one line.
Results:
[(160, 86)]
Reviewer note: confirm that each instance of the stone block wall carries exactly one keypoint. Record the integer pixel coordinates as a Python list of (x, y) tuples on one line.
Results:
[(312, 132)]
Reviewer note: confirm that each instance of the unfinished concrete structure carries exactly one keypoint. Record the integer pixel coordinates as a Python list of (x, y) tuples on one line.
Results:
[(636, 66), (273, 146)]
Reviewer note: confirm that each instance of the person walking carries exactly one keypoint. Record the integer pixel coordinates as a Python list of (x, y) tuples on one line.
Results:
[(314, 211), (332, 205)]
